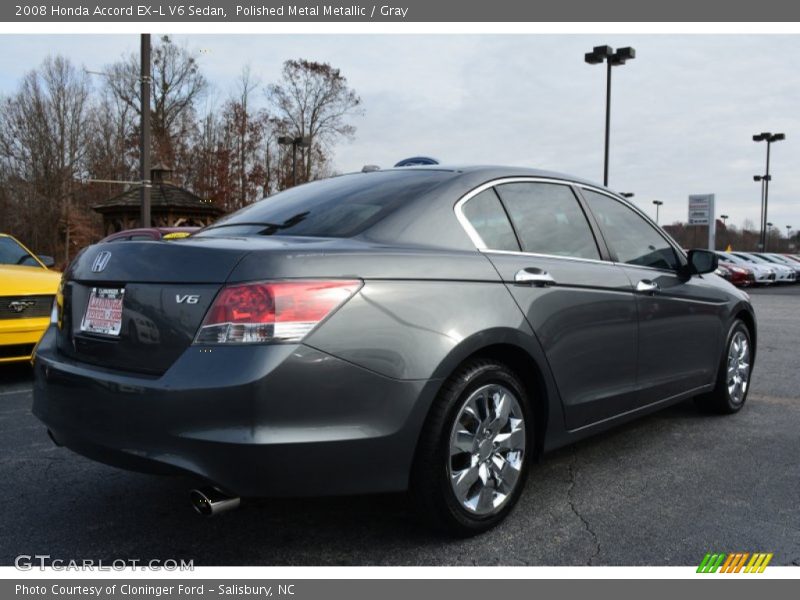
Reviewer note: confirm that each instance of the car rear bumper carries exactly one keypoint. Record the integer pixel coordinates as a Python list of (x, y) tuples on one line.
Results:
[(271, 420), (19, 336)]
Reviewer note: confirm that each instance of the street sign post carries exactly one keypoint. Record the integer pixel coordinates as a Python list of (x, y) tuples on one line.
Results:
[(701, 213)]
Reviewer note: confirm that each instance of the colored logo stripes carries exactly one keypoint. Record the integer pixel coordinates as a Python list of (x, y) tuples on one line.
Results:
[(735, 562)]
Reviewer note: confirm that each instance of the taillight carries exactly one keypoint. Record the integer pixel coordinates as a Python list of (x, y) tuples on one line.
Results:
[(272, 311)]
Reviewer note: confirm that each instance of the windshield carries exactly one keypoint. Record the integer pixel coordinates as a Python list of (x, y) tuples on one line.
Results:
[(11, 253), (778, 259), (337, 207), (730, 258)]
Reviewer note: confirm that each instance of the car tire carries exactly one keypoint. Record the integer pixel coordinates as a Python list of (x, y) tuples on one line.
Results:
[(474, 450), (734, 374)]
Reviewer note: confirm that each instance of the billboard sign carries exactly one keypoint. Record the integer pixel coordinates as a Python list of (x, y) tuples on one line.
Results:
[(701, 209)]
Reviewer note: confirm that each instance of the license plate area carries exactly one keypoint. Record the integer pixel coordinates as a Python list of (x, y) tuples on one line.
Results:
[(103, 314)]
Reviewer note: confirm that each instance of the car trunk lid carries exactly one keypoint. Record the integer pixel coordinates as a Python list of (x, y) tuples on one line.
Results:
[(136, 306)]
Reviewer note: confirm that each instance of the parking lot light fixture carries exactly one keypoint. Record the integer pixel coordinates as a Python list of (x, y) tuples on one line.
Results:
[(627, 194), (658, 204), (769, 138), (598, 55), (724, 219)]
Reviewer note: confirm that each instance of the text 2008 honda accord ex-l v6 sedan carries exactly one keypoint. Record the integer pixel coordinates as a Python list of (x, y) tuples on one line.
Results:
[(428, 329)]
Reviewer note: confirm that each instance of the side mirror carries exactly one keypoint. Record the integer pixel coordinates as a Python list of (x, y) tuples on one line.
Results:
[(700, 262), (48, 261)]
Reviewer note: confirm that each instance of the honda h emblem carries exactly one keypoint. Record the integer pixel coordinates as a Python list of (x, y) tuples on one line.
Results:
[(100, 261)]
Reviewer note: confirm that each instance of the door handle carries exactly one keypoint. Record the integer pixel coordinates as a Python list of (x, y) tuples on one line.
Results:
[(647, 286), (534, 276)]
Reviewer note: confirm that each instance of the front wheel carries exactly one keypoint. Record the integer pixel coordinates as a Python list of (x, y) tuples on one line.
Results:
[(733, 379), (473, 454)]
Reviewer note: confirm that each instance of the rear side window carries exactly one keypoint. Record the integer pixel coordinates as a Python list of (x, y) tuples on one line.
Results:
[(337, 207), (486, 215), (635, 241), (548, 219)]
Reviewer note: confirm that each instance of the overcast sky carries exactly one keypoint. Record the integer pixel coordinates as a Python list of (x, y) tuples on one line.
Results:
[(683, 114)]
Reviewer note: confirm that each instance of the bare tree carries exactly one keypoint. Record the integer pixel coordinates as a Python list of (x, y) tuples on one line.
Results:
[(249, 130), (114, 130), (313, 100), (177, 86), (43, 141), (247, 84), (55, 132)]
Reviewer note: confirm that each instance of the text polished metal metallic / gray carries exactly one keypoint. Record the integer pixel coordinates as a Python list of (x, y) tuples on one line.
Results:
[(430, 328)]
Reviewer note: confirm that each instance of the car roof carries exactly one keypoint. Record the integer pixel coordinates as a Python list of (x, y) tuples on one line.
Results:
[(498, 171), (154, 229), (149, 230), (425, 220)]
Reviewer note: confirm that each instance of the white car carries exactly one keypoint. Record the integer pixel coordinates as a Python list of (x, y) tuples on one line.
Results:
[(783, 273), (784, 260), (764, 274)]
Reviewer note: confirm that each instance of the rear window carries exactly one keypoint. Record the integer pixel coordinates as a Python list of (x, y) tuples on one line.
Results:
[(337, 207)]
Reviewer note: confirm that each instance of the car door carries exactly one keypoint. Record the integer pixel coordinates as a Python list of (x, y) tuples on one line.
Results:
[(680, 319), (580, 306)]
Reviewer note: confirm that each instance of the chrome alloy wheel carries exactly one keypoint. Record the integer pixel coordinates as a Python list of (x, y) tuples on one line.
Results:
[(487, 448), (738, 375)]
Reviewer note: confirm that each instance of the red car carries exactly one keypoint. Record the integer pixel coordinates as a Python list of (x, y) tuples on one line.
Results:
[(149, 234), (738, 275)]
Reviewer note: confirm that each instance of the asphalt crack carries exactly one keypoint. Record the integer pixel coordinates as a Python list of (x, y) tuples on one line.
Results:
[(571, 501)]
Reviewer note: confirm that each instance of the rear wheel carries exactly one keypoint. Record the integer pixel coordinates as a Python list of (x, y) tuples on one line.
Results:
[(472, 457), (733, 380)]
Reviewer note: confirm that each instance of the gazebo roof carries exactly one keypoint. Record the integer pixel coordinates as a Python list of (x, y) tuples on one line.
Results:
[(163, 195)]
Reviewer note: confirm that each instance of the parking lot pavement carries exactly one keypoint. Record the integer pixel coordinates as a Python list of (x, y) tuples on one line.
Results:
[(661, 491)]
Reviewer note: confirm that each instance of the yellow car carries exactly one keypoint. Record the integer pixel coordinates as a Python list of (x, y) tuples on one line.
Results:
[(27, 289)]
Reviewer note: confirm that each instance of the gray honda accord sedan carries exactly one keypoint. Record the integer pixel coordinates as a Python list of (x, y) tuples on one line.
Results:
[(432, 329)]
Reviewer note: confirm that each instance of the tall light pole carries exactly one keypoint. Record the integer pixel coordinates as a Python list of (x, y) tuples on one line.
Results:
[(294, 142), (598, 55), (762, 179), (724, 219), (766, 236), (658, 204), (144, 148), (766, 136)]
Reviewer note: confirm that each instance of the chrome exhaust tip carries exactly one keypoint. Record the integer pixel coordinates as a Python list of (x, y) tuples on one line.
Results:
[(210, 501)]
